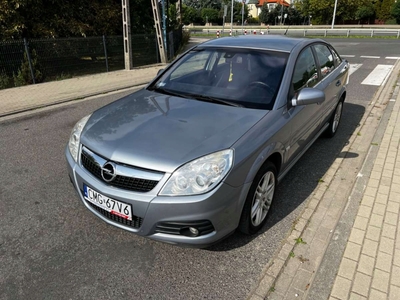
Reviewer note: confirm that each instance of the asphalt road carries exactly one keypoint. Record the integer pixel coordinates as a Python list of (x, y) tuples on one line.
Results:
[(51, 247)]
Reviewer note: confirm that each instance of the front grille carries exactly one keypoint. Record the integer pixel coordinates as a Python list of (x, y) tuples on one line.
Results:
[(135, 223), (182, 228), (123, 182)]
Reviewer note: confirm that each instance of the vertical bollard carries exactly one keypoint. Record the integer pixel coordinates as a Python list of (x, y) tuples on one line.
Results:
[(217, 33)]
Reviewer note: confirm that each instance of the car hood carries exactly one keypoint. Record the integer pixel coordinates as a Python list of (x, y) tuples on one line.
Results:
[(160, 132)]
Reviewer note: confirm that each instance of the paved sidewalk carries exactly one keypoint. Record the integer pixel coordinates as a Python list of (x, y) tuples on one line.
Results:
[(370, 267), (44, 94)]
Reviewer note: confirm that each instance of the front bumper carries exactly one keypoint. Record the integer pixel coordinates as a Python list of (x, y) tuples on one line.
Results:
[(221, 207)]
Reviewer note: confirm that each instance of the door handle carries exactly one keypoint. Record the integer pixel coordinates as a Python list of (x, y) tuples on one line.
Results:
[(338, 83)]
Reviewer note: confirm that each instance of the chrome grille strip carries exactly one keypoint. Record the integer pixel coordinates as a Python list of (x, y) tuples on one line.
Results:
[(124, 170)]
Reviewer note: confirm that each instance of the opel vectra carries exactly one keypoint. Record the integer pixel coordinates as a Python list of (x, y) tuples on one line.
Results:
[(199, 151)]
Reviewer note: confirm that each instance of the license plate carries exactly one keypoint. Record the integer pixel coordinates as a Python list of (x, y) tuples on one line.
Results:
[(113, 206)]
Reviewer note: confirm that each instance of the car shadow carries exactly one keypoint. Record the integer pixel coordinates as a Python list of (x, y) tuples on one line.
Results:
[(303, 178)]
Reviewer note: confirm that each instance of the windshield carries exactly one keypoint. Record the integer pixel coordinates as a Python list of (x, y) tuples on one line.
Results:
[(249, 78)]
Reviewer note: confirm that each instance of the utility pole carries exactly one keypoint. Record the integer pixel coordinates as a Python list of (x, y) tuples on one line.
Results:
[(223, 20), (126, 25), (242, 14), (164, 25), (232, 18), (179, 11), (159, 33), (334, 15)]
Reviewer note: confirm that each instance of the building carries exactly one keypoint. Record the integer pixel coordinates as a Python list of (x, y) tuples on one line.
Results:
[(256, 5)]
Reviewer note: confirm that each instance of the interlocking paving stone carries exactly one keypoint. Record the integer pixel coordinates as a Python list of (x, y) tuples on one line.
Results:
[(341, 288), (361, 284), (380, 281)]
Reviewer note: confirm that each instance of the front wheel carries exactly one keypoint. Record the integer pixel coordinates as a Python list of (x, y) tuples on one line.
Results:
[(335, 120), (259, 199)]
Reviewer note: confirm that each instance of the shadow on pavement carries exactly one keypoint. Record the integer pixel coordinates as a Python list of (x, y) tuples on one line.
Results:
[(304, 177)]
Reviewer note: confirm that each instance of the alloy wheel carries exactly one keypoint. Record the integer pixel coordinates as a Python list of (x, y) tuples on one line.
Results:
[(337, 116), (262, 198)]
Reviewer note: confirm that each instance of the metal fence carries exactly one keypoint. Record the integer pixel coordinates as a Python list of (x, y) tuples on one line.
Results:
[(299, 32), (37, 60), (174, 42)]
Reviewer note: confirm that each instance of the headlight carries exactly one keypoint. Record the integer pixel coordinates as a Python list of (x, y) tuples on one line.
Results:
[(75, 137), (199, 176)]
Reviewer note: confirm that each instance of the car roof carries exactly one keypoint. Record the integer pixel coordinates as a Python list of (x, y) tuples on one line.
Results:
[(264, 42)]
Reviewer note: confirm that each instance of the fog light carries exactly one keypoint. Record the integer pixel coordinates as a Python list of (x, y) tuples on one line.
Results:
[(194, 231)]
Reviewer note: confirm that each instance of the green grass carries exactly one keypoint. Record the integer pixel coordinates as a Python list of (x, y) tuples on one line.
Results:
[(300, 241)]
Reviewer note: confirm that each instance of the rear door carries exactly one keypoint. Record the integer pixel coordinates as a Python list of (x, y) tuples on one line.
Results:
[(332, 80)]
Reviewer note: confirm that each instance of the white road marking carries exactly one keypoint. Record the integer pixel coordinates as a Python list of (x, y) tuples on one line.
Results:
[(347, 55), (392, 57), (354, 67), (366, 56), (378, 75)]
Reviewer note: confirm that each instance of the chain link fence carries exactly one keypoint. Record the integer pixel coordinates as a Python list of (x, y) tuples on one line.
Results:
[(39, 60)]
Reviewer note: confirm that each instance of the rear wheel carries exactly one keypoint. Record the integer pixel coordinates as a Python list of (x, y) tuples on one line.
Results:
[(335, 120), (259, 199)]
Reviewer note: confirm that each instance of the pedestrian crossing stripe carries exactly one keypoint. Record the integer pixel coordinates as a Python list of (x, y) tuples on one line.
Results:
[(369, 56), (354, 67), (378, 76)]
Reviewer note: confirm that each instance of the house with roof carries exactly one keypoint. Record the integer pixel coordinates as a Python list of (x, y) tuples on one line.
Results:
[(256, 5)]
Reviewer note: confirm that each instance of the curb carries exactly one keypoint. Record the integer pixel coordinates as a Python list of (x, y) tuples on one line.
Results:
[(274, 270)]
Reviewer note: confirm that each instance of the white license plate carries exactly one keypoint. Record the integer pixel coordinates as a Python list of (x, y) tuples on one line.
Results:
[(115, 207)]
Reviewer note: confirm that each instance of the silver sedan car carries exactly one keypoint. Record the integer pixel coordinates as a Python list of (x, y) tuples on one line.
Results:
[(198, 153)]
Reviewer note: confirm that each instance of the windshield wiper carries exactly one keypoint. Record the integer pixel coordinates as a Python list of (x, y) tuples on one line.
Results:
[(167, 92), (213, 100)]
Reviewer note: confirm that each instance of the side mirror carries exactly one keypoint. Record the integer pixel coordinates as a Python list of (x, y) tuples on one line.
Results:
[(308, 96), (159, 71)]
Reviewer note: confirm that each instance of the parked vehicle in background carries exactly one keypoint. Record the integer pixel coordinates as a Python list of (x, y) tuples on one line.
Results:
[(198, 152)]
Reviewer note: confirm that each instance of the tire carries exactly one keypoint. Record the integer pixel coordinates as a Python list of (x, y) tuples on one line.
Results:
[(335, 120), (259, 199)]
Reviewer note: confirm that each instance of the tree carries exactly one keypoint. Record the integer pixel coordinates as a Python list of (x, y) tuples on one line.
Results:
[(385, 10), (55, 18), (322, 10), (396, 12), (52, 18), (303, 6), (190, 15), (365, 12), (264, 14), (209, 15)]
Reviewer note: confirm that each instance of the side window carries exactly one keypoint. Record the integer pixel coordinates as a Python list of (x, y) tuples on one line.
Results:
[(336, 57), (325, 59), (305, 71)]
